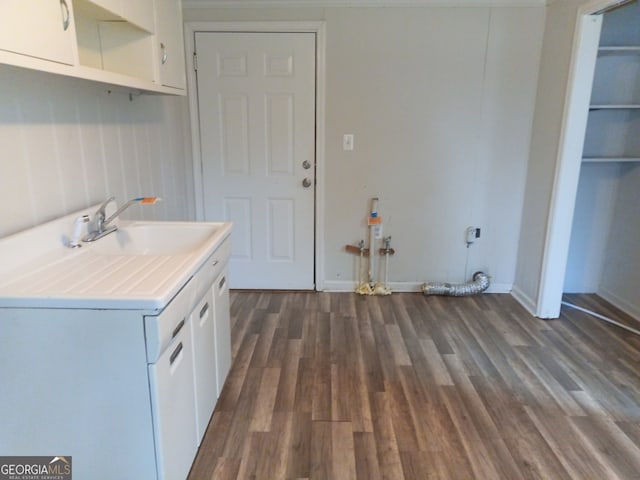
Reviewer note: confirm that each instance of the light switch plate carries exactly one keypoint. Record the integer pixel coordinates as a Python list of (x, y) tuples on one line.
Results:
[(347, 141)]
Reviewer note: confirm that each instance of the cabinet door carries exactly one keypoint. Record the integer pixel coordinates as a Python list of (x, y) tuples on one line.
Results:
[(39, 28), (172, 400), (204, 362), (170, 44), (222, 327)]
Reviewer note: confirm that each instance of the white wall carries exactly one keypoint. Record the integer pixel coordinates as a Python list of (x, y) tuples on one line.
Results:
[(440, 101), (604, 254), (67, 144), (621, 272), (592, 219)]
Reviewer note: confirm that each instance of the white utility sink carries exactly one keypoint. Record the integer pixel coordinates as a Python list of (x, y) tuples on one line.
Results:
[(156, 238), (142, 265)]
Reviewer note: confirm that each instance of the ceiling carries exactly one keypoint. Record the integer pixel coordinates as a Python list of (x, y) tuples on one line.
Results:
[(360, 3)]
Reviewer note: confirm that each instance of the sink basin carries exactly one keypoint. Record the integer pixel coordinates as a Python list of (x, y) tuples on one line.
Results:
[(140, 266), (156, 238)]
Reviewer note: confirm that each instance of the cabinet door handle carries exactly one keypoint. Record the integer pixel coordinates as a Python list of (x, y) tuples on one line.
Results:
[(175, 354), (176, 330), (66, 15), (222, 282), (204, 310), (163, 49), (215, 262)]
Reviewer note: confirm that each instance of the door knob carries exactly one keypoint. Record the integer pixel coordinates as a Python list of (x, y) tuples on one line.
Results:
[(306, 165), (306, 183)]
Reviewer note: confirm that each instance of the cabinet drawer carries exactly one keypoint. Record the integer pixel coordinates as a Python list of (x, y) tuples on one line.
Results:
[(209, 271), (162, 328), (211, 268)]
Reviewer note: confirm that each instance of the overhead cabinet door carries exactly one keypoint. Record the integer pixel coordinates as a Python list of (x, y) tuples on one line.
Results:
[(170, 45), (24, 23)]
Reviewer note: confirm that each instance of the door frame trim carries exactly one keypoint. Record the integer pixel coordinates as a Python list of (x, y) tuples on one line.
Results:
[(319, 29)]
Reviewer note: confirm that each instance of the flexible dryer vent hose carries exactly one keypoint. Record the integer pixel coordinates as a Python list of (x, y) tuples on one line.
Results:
[(479, 284)]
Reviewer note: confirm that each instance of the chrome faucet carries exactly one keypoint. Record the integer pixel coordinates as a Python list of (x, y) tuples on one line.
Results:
[(97, 226), (100, 227)]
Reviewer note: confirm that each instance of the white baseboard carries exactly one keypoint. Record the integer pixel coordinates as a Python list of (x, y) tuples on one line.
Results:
[(524, 300), (341, 286), (619, 302), (338, 286), (500, 288)]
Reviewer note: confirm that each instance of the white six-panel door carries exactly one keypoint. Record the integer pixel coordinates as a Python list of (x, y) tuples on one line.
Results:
[(256, 99)]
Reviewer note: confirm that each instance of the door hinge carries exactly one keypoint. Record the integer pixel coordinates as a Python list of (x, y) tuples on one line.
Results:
[(195, 61)]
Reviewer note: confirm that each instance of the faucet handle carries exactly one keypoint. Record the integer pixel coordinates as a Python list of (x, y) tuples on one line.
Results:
[(103, 206), (97, 221)]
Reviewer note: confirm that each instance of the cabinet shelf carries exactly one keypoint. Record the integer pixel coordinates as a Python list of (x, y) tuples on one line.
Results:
[(606, 106), (611, 159), (620, 50), (112, 79), (614, 112)]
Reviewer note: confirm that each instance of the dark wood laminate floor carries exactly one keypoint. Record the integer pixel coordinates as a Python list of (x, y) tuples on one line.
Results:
[(339, 386)]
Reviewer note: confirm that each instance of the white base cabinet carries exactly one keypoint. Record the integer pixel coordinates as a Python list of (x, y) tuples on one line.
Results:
[(76, 383), (126, 393)]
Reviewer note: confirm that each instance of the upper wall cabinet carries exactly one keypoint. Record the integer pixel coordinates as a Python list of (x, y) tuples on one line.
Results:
[(117, 42)]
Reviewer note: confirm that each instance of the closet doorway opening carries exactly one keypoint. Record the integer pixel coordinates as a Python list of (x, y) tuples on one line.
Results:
[(593, 238)]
